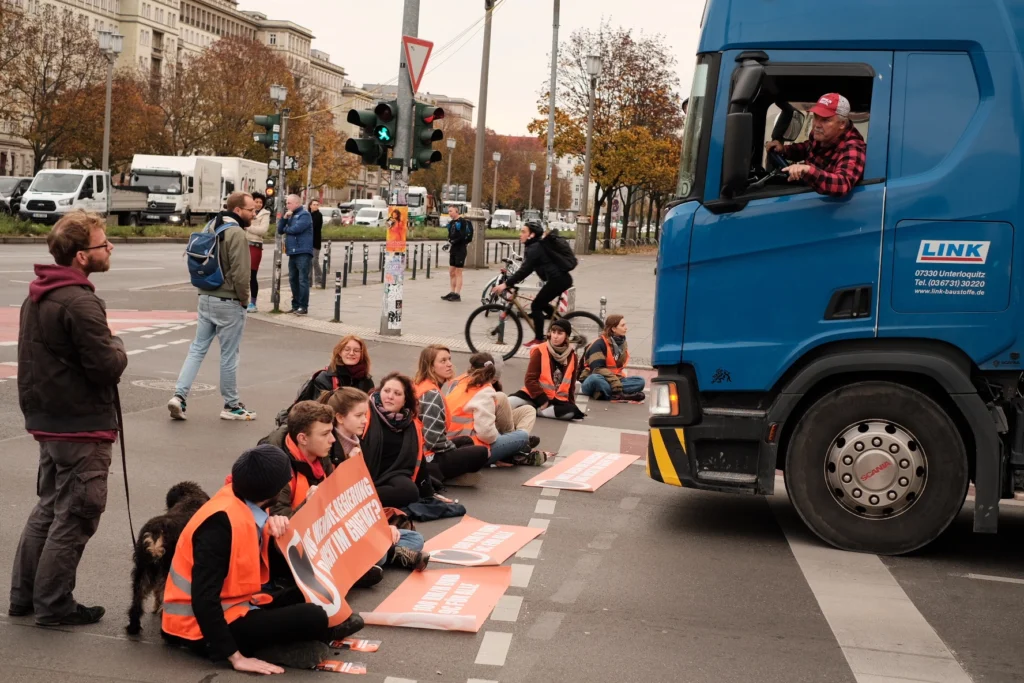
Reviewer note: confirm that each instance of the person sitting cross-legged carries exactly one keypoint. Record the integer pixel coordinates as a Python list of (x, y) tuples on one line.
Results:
[(603, 377), (551, 377)]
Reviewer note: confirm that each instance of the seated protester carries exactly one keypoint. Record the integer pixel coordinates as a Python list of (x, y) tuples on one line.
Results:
[(456, 465), (308, 437), (551, 377), (349, 367), (212, 600), (508, 418), (392, 444), (470, 402), (602, 368)]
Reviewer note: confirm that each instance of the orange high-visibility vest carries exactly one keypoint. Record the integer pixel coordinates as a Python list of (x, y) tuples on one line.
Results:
[(299, 485), (609, 360), (248, 569), (457, 393), (547, 382)]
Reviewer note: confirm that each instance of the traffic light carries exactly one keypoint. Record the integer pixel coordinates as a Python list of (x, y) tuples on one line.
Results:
[(425, 135), (272, 124), (379, 127), (271, 187)]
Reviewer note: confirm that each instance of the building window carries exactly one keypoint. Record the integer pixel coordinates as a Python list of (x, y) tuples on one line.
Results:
[(273, 39)]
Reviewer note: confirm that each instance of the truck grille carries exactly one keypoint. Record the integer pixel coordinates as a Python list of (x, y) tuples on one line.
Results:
[(161, 207), (40, 205)]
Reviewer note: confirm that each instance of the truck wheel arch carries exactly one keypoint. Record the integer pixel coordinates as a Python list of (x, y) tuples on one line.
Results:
[(936, 369)]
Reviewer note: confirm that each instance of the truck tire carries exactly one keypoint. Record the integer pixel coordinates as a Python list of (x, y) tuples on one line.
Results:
[(876, 467), (133, 220), (187, 220)]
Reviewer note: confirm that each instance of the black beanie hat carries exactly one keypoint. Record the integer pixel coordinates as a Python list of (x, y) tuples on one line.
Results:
[(563, 325), (260, 473)]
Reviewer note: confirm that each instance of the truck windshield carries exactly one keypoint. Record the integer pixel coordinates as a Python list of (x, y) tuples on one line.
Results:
[(688, 163), (415, 200), (57, 183), (157, 183), (7, 185)]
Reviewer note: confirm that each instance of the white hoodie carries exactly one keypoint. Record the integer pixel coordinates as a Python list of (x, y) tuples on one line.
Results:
[(482, 408)]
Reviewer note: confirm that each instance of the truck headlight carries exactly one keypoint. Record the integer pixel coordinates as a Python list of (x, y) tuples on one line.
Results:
[(65, 202), (174, 219), (664, 400)]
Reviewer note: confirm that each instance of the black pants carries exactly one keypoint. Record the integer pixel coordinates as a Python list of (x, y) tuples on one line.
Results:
[(254, 286), (458, 461), (541, 307), (397, 492)]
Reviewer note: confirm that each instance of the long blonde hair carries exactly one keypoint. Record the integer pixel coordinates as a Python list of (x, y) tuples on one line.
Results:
[(425, 370)]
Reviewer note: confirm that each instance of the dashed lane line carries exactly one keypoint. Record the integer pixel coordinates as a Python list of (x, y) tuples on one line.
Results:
[(156, 346), (987, 577), (521, 575), (507, 608), (544, 507), (539, 523), (550, 493), (494, 648), (530, 551)]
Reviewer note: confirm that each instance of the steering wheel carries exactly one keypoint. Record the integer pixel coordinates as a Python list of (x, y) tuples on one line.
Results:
[(776, 160)]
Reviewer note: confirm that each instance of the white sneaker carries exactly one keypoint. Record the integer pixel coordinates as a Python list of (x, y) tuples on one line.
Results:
[(176, 407), (239, 412)]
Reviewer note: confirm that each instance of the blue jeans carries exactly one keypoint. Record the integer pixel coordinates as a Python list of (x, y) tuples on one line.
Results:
[(299, 267), (224, 320), (508, 445), (595, 383), (406, 539)]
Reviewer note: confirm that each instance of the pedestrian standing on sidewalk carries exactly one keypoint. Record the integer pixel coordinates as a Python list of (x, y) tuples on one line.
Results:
[(460, 234), (68, 369), (297, 227), (255, 233), (222, 313), (318, 229)]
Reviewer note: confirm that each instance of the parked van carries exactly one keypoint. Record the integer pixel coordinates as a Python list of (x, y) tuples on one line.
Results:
[(373, 216), (55, 192), (505, 219)]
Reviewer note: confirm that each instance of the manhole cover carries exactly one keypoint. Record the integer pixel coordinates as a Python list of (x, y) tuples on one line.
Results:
[(168, 385)]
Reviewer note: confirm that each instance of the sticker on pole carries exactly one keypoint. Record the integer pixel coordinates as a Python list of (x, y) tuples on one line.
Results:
[(417, 53), (583, 471)]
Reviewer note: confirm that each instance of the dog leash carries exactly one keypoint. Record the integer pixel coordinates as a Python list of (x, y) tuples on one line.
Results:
[(124, 462)]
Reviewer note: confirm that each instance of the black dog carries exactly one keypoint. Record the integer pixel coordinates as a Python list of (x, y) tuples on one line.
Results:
[(155, 548)]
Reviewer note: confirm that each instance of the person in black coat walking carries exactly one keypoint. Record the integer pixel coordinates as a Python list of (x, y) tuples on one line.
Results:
[(316, 274)]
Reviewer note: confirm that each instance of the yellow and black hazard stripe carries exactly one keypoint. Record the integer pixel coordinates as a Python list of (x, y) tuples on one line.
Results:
[(666, 453)]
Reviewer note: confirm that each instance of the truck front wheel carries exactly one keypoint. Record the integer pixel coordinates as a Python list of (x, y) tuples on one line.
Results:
[(876, 467)]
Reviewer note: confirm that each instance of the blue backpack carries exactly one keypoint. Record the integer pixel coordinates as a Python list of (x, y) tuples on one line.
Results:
[(203, 256)]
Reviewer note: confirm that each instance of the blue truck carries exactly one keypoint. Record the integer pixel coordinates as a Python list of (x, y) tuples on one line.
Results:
[(867, 345)]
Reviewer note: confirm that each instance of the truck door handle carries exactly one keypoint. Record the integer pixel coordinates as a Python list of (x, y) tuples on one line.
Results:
[(852, 302)]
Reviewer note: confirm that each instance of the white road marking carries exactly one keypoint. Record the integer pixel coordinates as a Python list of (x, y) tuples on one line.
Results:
[(494, 648), (141, 329), (544, 507), (10, 363), (507, 608), (120, 270), (156, 346), (9, 343), (550, 493), (986, 577), (163, 332), (881, 633), (392, 679), (21, 282), (589, 438), (521, 575), (480, 680), (136, 351), (180, 341), (538, 523), (530, 551), (148, 336)]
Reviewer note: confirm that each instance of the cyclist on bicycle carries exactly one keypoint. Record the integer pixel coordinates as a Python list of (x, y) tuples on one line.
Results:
[(537, 260)]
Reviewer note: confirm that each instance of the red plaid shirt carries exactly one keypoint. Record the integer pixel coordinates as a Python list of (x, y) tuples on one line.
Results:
[(835, 169)]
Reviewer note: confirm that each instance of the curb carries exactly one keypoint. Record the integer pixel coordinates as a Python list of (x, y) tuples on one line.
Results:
[(38, 239)]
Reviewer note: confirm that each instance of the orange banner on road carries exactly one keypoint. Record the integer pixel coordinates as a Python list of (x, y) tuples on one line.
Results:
[(583, 471), (445, 600), (472, 543), (336, 537)]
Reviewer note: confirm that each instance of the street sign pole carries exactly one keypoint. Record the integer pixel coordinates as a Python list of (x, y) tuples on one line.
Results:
[(282, 194)]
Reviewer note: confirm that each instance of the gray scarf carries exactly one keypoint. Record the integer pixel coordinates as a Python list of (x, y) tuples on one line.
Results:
[(618, 348)]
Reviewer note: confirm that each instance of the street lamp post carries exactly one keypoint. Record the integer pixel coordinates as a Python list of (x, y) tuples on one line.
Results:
[(558, 202), (494, 195), (533, 167), (279, 93), (594, 63), (111, 45), (451, 153)]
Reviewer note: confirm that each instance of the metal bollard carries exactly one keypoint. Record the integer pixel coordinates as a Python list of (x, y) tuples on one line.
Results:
[(487, 253), (415, 253), (326, 266), (436, 257), (337, 296), (351, 254), (366, 260), (428, 265), (604, 308), (423, 248), (344, 276), (380, 256)]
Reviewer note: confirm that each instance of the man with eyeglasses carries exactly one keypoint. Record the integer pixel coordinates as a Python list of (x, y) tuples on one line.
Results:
[(221, 313), (69, 365)]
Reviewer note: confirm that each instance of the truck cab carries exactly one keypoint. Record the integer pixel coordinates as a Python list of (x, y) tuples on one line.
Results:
[(867, 345)]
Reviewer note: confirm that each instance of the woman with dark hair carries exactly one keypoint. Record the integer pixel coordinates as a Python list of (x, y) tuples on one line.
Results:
[(254, 233), (392, 444), (602, 376), (470, 402), (456, 462), (551, 377)]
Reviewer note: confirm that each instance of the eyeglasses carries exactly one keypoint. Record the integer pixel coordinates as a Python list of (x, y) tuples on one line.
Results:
[(106, 243)]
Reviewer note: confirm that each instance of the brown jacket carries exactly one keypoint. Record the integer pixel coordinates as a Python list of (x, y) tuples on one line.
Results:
[(69, 363)]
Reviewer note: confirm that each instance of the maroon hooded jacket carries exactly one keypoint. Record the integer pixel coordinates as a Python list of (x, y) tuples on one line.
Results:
[(69, 363)]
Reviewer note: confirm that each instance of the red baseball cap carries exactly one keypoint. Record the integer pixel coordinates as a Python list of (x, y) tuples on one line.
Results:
[(831, 105)]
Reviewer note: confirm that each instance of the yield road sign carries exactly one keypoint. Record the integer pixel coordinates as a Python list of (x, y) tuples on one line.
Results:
[(417, 52)]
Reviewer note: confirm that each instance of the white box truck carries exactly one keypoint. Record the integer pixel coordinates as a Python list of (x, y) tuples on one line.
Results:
[(238, 174), (181, 189), (55, 192)]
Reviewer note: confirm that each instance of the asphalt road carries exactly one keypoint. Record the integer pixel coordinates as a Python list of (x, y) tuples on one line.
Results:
[(636, 582)]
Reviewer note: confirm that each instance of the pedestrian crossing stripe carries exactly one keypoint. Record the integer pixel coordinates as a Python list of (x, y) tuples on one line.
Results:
[(663, 469)]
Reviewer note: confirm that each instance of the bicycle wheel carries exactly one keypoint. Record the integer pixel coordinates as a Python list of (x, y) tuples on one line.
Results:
[(485, 296), (586, 327), (500, 335)]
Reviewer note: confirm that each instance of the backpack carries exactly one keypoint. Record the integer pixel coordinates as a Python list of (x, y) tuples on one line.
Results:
[(307, 392), (203, 256), (466, 228), (559, 252)]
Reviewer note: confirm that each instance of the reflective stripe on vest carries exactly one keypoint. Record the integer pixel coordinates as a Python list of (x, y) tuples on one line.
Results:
[(547, 381), (458, 393), (248, 568)]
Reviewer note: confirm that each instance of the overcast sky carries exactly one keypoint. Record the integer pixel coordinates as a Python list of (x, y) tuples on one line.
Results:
[(520, 42)]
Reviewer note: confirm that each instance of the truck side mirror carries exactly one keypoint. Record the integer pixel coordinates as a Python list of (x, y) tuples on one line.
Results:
[(739, 141)]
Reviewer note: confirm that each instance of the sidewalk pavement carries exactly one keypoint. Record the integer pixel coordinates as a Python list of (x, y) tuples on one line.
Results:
[(627, 282)]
